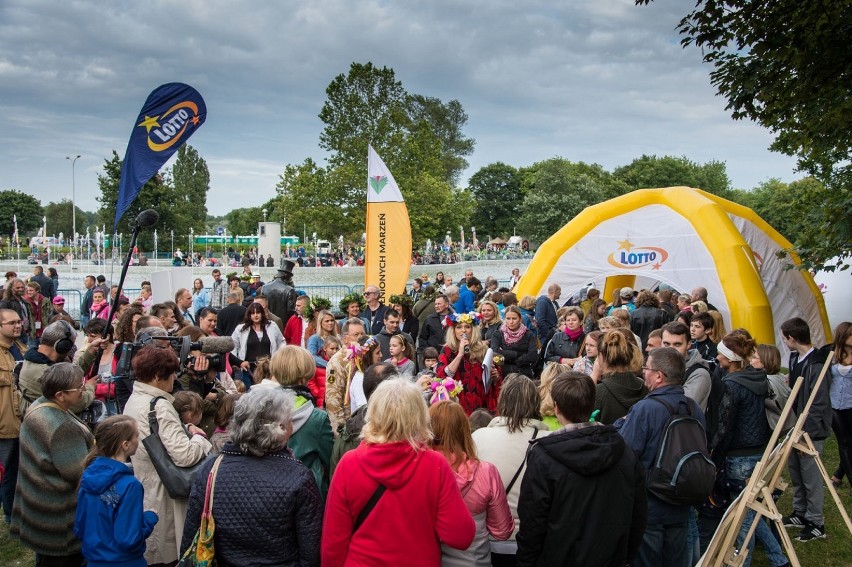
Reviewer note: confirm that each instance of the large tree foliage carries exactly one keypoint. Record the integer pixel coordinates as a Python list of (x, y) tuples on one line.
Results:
[(557, 190), (156, 194), (787, 65), (446, 121), (419, 138), (648, 172), (191, 183), (243, 222), (496, 190), (27, 209), (60, 219)]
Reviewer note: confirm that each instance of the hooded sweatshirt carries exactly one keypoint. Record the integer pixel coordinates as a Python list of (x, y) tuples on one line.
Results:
[(312, 439), (697, 384), (420, 508), (110, 520), (616, 393), (482, 489), (582, 487)]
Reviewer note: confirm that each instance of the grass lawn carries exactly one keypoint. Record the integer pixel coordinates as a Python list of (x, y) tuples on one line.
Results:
[(836, 550)]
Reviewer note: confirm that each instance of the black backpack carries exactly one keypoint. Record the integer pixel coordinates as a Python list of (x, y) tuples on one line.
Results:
[(683, 473)]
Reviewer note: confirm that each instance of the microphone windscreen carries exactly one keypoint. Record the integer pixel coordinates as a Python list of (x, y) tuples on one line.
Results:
[(147, 218), (216, 345)]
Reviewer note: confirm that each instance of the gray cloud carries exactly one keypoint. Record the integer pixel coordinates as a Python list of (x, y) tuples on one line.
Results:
[(601, 81)]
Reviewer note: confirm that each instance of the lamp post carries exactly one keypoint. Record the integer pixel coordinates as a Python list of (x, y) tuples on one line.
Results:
[(264, 215), (73, 203)]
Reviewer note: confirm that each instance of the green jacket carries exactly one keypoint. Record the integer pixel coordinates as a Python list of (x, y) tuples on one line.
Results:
[(312, 440)]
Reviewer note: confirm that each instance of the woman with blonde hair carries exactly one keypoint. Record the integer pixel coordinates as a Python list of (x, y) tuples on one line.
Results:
[(491, 320), (618, 388), (311, 440), (478, 481), (393, 498), (718, 331), (546, 408), (461, 359), (325, 326)]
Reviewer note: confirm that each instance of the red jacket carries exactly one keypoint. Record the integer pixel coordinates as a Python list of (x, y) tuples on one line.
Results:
[(293, 331), (421, 508)]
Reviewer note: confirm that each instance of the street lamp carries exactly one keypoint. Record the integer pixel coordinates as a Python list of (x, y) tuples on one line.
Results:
[(73, 201), (264, 215)]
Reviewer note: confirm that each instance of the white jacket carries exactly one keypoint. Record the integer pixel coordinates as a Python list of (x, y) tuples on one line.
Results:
[(241, 333)]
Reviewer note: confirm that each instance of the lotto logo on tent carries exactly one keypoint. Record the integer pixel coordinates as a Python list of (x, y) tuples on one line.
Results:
[(633, 257)]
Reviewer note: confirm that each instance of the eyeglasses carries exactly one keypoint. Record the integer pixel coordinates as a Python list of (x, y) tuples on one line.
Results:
[(13, 323), (654, 370), (81, 389), (371, 293)]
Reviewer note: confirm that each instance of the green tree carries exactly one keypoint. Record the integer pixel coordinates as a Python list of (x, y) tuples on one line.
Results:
[(447, 121), (556, 190), (787, 65), (156, 194), (784, 205), (60, 219), (496, 189), (243, 222), (191, 180), (27, 208), (366, 106), (648, 172)]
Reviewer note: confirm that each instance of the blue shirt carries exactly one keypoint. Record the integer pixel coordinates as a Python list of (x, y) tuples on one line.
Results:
[(841, 387), (466, 301)]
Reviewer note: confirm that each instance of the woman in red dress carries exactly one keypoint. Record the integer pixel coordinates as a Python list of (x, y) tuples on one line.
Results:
[(461, 359)]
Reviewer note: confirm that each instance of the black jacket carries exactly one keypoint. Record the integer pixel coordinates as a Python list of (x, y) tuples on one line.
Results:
[(616, 393), (520, 356), (229, 317), (432, 333), (561, 346), (818, 422), (268, 510), (583, 500), (743, 429), (645, 319)]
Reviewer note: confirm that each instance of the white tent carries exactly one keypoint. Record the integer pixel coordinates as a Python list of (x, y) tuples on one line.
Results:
[(685, 238)]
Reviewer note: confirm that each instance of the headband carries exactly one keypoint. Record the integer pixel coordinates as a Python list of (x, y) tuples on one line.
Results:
[(728, 353), (471, 318)]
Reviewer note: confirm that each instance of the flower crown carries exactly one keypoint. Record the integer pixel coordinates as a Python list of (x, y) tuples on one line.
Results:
[(401, 300), (357, 351), (471, 318), (443, 389)]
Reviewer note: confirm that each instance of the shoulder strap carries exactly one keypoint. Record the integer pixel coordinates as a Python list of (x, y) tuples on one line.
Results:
[(523, 462), (368, 507), (45, 405), (211, 484)]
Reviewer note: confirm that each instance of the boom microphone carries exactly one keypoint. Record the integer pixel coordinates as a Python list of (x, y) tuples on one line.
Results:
[(216, 345), (147, 218)]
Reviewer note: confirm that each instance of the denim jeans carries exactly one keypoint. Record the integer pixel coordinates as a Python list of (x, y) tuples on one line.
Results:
[(740, 469), (693, 542), (9, 459), (663, 544)]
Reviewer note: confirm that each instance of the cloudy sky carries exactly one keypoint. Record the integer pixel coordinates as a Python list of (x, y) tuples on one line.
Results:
[(594, 80)]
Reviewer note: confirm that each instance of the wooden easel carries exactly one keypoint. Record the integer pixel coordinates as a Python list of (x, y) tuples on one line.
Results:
[(764, 480)]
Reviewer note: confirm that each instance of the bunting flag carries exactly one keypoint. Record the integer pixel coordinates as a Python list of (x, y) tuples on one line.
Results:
[(388, 255), (172, 113)]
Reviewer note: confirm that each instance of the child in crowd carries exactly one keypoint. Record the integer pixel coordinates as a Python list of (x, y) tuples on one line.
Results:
[(330, 346), (546, 408), (401, 354), (222, 418), (110, 519), (479, 418), (586, 364), (700, 327), (190, 407)]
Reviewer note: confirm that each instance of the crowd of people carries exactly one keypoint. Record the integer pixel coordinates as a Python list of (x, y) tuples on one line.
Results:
[(455, 424)]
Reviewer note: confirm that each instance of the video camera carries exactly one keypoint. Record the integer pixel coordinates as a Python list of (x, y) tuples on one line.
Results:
[(214, 349)]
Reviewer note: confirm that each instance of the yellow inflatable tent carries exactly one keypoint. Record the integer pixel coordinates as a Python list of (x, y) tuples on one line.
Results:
[(685, 238)]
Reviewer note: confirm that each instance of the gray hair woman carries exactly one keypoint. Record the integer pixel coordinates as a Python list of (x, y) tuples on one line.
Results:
[(54, 444), (266, 503)]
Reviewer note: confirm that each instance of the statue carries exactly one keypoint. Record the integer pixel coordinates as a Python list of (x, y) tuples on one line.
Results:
[(281, 293)]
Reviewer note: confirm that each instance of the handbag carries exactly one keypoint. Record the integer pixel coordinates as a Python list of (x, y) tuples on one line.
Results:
[(177, 480), (201, 553)]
